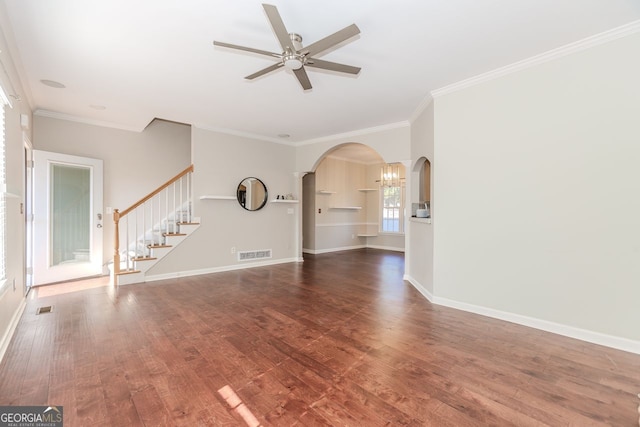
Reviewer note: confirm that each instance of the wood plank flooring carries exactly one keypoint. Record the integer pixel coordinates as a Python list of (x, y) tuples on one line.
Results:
[(338, 340)]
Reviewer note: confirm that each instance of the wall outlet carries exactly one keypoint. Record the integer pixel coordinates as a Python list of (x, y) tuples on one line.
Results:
[(233, 249), (290, 211)]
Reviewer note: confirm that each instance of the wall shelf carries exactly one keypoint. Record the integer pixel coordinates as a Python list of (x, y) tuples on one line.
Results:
[(326, 192), (212, 197), (353, 208), (422, 220), (366, 235), (283, 201), (367, 189)]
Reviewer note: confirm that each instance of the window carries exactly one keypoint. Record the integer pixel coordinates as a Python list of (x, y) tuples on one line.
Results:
[(392, 198)]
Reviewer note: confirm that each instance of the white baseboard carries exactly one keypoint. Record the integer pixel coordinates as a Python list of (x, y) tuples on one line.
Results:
[(599, 338), (386, 248), (6, 339), (349, 248), (326, 251), (187, 273), (425, 293)]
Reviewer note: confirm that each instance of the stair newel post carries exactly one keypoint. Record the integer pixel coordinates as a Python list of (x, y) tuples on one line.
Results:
[(116, 242)]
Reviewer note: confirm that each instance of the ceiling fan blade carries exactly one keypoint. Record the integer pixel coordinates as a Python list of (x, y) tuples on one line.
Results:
[(264, 71), (278, 27), (332, 40), (333, 66), (247, 49), (303, 78)]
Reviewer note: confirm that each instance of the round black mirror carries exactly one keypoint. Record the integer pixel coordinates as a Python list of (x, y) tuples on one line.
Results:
[(252, 194)]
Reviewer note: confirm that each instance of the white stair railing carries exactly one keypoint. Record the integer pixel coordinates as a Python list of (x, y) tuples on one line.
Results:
[(144, 225)]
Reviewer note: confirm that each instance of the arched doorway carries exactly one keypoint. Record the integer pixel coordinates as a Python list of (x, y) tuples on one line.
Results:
[(341, 207)]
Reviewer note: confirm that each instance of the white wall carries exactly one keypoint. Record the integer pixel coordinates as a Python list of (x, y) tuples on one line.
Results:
[(537, 189), (309, 212), (135, 163), (392, 143), (12, 298), (221, 162), (419, 262)]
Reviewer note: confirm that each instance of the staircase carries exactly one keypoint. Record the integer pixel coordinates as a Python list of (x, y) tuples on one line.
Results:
[(151, 228)]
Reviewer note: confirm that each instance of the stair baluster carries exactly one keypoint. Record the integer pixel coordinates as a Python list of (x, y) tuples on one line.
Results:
[(149, 221)]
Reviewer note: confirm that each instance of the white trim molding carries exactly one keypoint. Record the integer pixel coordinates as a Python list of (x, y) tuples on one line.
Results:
[(86, 121), (578, 46), (188, 273), (420, 288), (359, 132), (599, 338), (13, 324), (619, 343)]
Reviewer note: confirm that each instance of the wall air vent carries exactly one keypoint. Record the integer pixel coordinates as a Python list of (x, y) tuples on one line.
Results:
[(253, 255)]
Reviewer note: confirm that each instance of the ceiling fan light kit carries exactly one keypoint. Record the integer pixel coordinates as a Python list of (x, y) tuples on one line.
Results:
[(294, 56)]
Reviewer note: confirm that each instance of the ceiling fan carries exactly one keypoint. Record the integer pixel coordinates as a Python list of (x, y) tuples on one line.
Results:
[(296, 57)]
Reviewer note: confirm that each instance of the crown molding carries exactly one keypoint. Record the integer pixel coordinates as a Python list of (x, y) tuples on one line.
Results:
[(589, 42), (242, 134), (421, 107), (359, 132), (84, 120)]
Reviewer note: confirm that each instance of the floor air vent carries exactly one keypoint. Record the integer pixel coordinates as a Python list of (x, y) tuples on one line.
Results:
[(43, 310), (253, 255)]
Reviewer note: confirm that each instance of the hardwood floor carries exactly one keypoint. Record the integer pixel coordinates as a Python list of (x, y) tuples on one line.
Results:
[(337, 340)]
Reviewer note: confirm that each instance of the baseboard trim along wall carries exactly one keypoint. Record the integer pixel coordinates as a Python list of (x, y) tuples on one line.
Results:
[(618, 343), (6, 339), (326, 251), (425, 293), (187, 273), (386, 248)]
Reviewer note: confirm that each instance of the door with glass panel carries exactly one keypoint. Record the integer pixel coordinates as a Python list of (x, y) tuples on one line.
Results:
[(67, 217)]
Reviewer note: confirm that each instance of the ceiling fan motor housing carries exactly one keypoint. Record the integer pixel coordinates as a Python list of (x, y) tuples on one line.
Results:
[(293, 60)]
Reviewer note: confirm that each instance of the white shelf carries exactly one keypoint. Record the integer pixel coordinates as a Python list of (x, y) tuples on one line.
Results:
[(283, 201), (366, 235), (326, 192), (422, 220), (367, 189), (211, 197), (353, 208)]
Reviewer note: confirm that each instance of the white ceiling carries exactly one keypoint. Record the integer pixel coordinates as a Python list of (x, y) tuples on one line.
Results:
[(155, 58)]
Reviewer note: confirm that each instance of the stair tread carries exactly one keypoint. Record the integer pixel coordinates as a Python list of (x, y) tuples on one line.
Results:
[(144, 258), (173, 234), (159, 246), (122, 273)]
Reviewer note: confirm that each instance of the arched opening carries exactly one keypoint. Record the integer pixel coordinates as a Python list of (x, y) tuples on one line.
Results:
[(342, 202), (421, 197)]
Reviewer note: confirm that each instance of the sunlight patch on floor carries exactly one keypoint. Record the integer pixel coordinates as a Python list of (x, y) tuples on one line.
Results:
[(235, 403), (74, 286)]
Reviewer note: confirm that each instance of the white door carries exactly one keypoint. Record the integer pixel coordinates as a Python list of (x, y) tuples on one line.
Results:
[(67, 217)]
